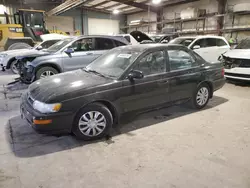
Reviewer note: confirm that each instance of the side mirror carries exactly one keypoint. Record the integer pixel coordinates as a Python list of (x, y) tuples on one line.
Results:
[(135, 74), (69, 50), (196, 47), (39, 47)]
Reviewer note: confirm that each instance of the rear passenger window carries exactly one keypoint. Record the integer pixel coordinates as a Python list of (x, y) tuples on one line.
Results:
[(179, 59), (104, 44), (221, 42), (211, 42), (118, 43), (152, 63)]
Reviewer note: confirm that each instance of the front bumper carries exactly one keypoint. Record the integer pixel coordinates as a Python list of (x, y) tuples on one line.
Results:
[(238, 74), (27, 73), (61, 122), (3, 67)]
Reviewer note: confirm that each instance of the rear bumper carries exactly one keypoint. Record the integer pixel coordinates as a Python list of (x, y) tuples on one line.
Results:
[(219, 84), (61, 122)]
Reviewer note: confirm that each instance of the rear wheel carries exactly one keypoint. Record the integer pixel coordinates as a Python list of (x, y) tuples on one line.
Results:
[(92, 122), (45, 72), (200, 97)]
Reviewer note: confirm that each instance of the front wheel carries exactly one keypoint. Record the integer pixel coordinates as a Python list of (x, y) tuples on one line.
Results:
[(200, 97), (45, 72), (13, 66), (93, 122)]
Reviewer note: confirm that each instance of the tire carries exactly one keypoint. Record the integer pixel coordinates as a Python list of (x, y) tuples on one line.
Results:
[(45, 70), (204, 92), (85, 129), (13, 67), (19, 45)]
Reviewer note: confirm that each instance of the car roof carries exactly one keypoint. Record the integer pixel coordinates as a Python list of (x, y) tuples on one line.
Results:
[(202, 36), (144, 47)]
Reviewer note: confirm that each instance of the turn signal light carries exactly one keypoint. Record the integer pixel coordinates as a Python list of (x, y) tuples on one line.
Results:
[(42, 122)]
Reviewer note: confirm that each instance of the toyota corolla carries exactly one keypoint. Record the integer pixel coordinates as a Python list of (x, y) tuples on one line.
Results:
[(89, 101)]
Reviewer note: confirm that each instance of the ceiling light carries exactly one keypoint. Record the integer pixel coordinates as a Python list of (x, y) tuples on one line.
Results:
[(156, 2), (116, 11)]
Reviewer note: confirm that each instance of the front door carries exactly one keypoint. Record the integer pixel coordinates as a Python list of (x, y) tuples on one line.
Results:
[(84, 53), (150, 91), (184, 74)]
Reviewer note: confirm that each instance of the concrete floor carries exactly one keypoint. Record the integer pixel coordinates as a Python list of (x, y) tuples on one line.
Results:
[(169, 148)]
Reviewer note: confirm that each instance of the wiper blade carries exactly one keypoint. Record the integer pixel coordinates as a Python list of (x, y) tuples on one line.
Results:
[(95, 72)]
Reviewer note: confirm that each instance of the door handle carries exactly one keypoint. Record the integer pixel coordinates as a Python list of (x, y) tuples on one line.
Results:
[(89, 53)]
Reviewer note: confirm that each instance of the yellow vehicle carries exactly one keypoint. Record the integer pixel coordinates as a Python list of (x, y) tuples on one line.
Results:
[(25, 32)]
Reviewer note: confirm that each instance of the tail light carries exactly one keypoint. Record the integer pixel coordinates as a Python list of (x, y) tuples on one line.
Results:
[(223, 72)]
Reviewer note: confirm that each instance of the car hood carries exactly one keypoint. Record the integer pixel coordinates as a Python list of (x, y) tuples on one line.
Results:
[(238, 53), (140, 36), (33, 53), (65, 86), (18, 52)]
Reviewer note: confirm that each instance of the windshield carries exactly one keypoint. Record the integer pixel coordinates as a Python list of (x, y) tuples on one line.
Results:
[(113, 63), (244, 44), (34, 19), (183, 41), (59, 45)]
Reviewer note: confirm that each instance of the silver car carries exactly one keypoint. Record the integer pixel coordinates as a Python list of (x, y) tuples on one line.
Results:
[(66, 55), (8, 58)]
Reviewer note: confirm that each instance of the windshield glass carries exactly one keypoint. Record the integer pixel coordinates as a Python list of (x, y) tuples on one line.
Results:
[(59, 45), (113, 63), (183, 41), (34, 19), (244, 44)]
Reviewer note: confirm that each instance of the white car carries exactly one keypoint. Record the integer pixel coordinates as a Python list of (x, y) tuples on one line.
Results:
[(237, 61), (208, 47), (8, 58)]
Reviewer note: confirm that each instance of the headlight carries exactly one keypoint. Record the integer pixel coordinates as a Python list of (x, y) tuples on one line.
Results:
[(46, 108), (3, 55)]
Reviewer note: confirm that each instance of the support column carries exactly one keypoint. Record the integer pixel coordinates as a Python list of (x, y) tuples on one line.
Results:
[(220, 19), (159, 17)]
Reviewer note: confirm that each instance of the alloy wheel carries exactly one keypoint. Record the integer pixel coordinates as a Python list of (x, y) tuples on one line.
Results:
[(46, 74), (92, 123), (202, 96)]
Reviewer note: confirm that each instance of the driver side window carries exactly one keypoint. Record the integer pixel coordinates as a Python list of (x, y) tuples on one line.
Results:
[(82, 45), (152, 63)]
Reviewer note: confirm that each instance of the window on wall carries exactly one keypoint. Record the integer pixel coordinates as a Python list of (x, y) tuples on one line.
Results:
[(179, 60), (152, 63)]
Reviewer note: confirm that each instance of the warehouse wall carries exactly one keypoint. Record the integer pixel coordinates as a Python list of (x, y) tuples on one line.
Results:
[(143, 16), (209, 5)]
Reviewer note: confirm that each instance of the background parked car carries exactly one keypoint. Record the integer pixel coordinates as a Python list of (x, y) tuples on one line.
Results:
[(208, 47), (237, 61), (66, 55), (128, 79), (8, 58)]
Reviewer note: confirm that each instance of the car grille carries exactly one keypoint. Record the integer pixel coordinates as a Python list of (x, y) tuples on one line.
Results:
[(232, 63), (238, 75)]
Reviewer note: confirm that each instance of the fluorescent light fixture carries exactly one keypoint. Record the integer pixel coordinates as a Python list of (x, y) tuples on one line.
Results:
[(156, 2), (116, 11)]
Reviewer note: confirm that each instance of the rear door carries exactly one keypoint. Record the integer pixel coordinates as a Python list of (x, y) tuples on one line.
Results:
[(184, 73), (83, 54), (210, 48)]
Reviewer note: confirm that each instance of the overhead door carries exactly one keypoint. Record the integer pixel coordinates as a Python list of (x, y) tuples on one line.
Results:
[(102, 26)]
